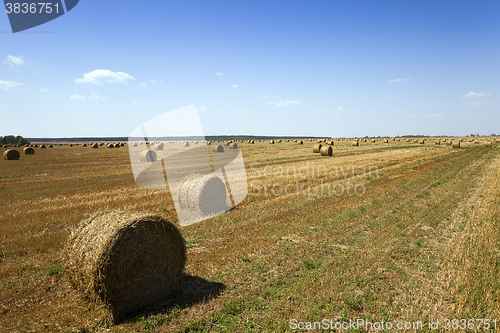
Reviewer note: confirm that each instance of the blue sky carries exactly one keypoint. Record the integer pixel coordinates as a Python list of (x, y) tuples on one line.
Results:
[(301, 68)]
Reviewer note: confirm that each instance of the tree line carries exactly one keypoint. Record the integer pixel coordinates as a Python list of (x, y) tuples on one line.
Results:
[(13, 140)]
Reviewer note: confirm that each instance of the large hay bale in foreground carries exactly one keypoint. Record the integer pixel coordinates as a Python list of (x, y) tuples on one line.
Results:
[(127, 260), (205, 193), (217, 148), (148, 156), (326, 151), (456, 144), (29, 151), (11, 155), (317, 148)]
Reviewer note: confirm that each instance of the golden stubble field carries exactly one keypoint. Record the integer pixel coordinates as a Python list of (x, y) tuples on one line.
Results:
[(398, 231)]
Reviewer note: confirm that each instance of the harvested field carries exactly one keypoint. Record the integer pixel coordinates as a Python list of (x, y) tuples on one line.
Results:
[(413, 234)]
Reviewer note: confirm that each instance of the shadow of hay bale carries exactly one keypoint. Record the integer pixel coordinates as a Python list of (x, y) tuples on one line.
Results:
[(192, 290)]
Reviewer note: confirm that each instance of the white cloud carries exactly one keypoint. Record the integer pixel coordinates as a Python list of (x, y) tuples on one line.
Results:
[(235, 86), (269, 103), (337, 114), (76, 97), (13, 61), (155, 81), (287, 103), (6, 85), (134, 102), (101, 76), (340, 108), (473, 94), (44, 90), (219, 74), (413, 115), (95, 96), (265, 96), (203, 108), (398, 80), (142, 84)]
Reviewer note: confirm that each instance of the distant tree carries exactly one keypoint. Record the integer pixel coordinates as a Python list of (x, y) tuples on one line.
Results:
[(13, 140)]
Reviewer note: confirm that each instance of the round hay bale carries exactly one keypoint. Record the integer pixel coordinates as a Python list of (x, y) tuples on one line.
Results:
[(148, 156), (117, 145), (317, 148), (476, 142), (207, 193), (122, 144), (43, 146), (279, 141), (421, 142), (84, 145), (95, 146), (252, 141), (160, 146), (60, 145), (355, 143), (134, 144), (326, 151), (110, 145), (456, 144), (29, 151), (373, 140), (217, 148), (186, 144), (233, 146), (386, 141), (5, 146), (101, 144), (271, 142), (50, 146), (448, 143), (300, 142), (71, 145), (438, 142), (127, 260), (26, 145), (11, 155), (487, 144)]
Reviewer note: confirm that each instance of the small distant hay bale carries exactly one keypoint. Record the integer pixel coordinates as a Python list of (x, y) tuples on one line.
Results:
[(456, 144), (186, 144), (148, 156), (160, 146), (205, 193), (476, 142), (300, 142), (355, 143), (110, 145), (50, 146), (26, 145), (29, 151), (421, 142), (5, 146), (11, 155), (438, 142), (449, 143), (373, 140), (95, 146), (134, 144), (279, 141), (398, 139), (117, 145), (252, 141), (43, 146), (71, 145), (84, 145), (217, 148), (60, 145), (386, 141), (487, 144), (101, 144), (233, 146), (129, 261), (271, 142), (122, 144), (326, 151), (317, 148)]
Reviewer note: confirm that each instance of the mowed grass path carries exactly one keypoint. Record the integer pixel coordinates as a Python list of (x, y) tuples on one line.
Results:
[(421, 243)]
